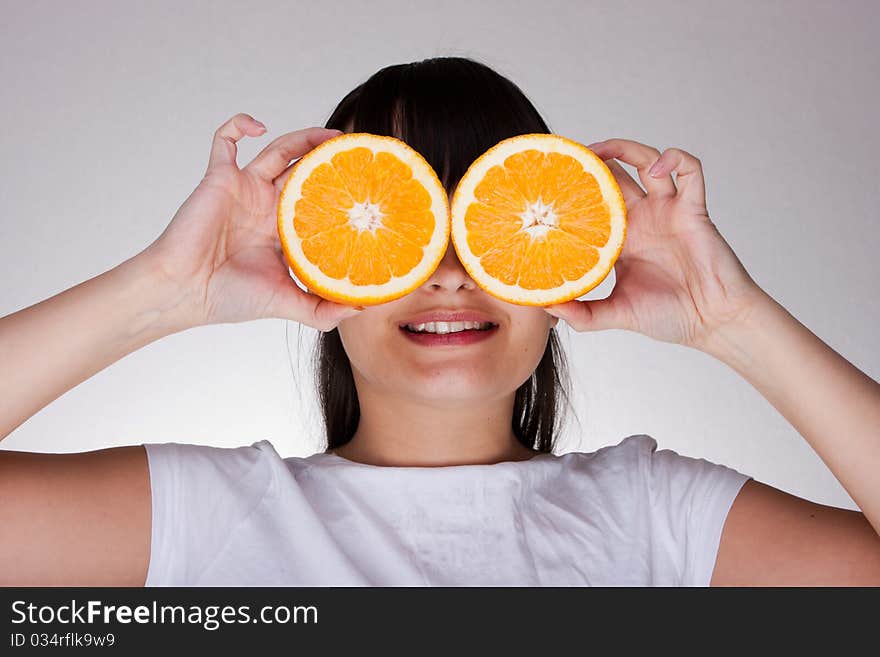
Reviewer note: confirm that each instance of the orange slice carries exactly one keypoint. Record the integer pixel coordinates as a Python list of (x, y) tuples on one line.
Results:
[(538, 219), (363, 219)]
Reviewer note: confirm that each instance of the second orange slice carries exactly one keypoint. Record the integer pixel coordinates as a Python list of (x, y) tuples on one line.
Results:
[(538, 219)]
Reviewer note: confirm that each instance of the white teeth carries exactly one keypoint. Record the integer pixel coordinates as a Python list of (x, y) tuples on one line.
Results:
[(447, 327)]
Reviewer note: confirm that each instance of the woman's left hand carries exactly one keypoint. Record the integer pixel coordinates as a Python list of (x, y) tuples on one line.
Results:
[(677, 278)]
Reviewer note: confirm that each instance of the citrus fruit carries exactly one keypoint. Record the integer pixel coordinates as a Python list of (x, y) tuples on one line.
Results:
[(538, 219), (363, 219)]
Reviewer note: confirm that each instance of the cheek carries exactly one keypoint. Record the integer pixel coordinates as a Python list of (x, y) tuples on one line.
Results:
[(532, 326), (364, 339), (529, 335), (351, 333)]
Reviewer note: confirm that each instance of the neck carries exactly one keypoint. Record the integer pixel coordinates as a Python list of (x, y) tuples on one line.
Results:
[(403, 431)]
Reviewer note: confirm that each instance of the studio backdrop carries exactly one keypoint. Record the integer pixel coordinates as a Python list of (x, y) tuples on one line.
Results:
[(109, 109)]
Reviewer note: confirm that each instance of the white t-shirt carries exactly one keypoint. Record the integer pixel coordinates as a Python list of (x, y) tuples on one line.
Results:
[(624, 515)]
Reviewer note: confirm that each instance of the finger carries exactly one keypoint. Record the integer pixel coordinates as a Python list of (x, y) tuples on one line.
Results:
[(273, 160), (688, 174), (223, 148), (281, 180), (630, 189), (640, 156), (597, 315), (309, 308)]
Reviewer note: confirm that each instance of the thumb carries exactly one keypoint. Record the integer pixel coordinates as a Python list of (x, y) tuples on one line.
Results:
[(308, 308), (595, 315)]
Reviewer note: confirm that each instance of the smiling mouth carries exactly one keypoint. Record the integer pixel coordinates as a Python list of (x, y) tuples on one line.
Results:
[(454, 339), (486, 326)]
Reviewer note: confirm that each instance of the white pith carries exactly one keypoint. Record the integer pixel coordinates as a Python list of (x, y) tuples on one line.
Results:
[(366, 216), (538, 219), (447, 327)]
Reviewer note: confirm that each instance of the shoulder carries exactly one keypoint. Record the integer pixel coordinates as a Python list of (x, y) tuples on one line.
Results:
[(200, 495), (616, 473), (640, 454), (668, 481), (628, 447), (677, 504), (210, 457), (253, 451), (206, 474), (631, 453)]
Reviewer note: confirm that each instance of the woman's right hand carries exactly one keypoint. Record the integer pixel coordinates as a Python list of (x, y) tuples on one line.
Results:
[(222, 246)]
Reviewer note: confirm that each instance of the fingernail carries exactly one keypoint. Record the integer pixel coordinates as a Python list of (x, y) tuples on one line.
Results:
[(260, 123), (596, 143), (654, 171)]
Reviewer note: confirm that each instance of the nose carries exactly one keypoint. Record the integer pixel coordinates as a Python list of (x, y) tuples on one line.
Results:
[(450, 273)]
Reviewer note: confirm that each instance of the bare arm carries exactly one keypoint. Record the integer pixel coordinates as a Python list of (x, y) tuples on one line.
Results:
[(679, 281), (52, 346), (219, 260), (771, 537), (832, 404), (75, 519), (85, 519), (78, 519)]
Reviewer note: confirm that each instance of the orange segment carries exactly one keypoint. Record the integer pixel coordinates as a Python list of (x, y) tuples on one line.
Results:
[(538, 219), (333, 249), (521, 167), (506, 262), (488, 227), (363, 219), (418, 227), (387, 171), (557, 258), (352, 168), (408, 207), (401, 252), (312, 218), (498, 190), (592, 227), (367, 265)]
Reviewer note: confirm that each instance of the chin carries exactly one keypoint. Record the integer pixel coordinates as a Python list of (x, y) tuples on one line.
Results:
[(451, 386)]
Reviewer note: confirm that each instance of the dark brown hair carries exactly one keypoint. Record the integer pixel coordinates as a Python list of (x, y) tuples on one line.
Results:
[(451, 110)]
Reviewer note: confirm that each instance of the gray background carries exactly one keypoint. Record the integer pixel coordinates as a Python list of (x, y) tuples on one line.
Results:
[(109, 109)]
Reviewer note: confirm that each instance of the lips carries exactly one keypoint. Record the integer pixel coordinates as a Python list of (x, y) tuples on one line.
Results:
[(457, 339), (448, 315)]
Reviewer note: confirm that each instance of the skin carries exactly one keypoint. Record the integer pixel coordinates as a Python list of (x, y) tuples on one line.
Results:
[(461, 400), (430, 407), (219, 260)]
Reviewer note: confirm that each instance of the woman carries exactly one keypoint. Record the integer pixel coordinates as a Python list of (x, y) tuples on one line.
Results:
[(439, 466)]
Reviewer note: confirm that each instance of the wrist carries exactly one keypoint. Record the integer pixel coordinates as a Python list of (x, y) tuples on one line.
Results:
[(736, 340), (51, 346), (161, 305)]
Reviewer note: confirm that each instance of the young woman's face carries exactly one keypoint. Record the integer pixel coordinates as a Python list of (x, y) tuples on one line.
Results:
[(382, 355)]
